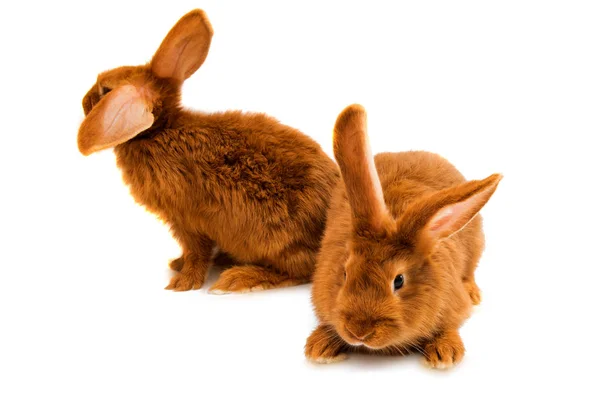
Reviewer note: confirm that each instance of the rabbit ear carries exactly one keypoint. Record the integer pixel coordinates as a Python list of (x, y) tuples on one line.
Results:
[(118, 117), (184, 48), (353, 154), (446, 212)]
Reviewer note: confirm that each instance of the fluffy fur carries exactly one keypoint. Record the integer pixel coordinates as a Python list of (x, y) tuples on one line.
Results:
[(410, 214), (243, 183)]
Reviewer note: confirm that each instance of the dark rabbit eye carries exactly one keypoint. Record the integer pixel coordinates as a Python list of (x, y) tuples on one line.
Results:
[(344, 274), (398, 282), (104, 90)]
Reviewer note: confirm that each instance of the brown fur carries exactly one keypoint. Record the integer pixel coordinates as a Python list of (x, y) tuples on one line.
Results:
[(239, 182), (409, 213)]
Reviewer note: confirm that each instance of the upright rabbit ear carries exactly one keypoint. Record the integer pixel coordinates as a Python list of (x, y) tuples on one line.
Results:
[(446, 212), (353, 154), (118, 117), (184, 48)]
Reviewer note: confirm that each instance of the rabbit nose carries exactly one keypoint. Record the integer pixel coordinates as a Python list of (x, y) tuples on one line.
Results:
[(359, 334)]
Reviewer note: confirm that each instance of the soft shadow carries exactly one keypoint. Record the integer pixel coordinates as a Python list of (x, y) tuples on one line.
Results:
[(213, 274), (360, 362)]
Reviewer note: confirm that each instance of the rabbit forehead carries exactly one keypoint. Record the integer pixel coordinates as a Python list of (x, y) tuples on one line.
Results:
[(387, 252), (125, 75)]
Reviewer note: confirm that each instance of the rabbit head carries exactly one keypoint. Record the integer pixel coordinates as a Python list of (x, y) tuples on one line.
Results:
[(127, 101)]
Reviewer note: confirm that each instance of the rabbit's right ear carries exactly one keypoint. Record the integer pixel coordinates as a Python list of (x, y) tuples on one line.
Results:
[(446, 212), (353, 155), (119, 116), (184, 48)]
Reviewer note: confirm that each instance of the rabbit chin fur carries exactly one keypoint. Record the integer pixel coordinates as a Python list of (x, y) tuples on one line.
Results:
[(411, 214), (243, 182)]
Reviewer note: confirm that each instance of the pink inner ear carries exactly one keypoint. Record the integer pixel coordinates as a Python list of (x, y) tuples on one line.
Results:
[(442, 218), (118, 117), (452, 218), (170, 65), (125, 114)]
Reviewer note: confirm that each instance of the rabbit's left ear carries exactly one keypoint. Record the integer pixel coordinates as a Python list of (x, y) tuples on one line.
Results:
[(353, 153), (446, 212), (119, 116)]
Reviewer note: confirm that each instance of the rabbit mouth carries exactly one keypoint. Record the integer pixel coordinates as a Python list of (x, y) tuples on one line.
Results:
[(372, 333), (363, 340), (362, 344)]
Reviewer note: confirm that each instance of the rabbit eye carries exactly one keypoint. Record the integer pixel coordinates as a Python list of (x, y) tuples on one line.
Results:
[(398, 282), (104, 90)]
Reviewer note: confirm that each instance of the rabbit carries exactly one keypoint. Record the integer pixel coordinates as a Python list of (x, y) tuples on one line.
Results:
[(234, 183), (395, 273)]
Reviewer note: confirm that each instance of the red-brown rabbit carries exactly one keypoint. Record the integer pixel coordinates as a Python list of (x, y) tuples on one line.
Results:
[(395, 273), (240, 182)]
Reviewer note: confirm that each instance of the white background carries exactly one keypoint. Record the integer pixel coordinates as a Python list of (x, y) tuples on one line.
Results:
[(510, 87)]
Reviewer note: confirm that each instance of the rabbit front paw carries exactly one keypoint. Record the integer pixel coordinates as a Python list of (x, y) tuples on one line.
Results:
[(444, 351), (325, 346)]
